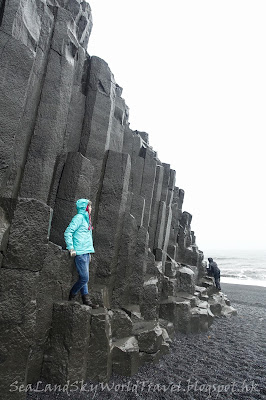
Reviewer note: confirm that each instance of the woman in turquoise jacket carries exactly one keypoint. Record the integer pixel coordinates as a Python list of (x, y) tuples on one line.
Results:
[(79, 242)]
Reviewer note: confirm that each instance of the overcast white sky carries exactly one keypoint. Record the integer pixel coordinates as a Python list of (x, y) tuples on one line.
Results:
[(194, 78)]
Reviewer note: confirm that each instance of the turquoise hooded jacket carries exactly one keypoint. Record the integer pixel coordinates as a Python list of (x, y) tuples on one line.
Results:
[(78, 234)]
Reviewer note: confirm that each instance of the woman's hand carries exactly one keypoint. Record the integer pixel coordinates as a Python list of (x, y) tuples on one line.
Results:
[(72, 253)]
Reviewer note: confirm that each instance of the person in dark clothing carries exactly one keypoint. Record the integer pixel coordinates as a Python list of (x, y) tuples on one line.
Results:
[(214, 271)]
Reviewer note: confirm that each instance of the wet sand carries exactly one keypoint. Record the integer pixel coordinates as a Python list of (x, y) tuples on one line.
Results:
[(228, 362)]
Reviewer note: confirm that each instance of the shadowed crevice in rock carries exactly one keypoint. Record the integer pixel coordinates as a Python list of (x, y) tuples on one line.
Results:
[(85, 76), (2, 8)]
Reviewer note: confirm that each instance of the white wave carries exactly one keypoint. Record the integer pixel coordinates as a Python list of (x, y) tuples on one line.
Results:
[(249, 281)]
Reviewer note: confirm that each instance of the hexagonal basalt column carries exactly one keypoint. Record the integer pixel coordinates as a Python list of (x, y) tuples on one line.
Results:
[(28, 238), (99, 360), (66, 358), (177, 311), (125, 356)]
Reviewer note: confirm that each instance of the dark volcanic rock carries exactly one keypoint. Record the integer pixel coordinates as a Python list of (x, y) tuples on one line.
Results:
[(29, 231), (66, 356), (121, 324), (99, 362), (18, 325)]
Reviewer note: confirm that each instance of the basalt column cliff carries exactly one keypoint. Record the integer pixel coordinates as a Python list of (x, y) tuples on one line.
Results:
[(65, 135)]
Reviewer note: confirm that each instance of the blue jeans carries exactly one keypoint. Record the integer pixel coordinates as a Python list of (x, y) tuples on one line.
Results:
[(82, 264)]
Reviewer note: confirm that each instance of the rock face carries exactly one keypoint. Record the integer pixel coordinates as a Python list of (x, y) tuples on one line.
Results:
[(64, 135)]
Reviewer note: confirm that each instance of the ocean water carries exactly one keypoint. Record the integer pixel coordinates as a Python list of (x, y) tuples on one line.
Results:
[(244, 267)]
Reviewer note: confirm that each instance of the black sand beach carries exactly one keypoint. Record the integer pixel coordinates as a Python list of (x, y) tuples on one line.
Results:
[(227, 362)]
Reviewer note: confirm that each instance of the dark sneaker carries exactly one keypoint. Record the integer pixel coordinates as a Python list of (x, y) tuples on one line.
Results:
[(86, 301), (71, 296)]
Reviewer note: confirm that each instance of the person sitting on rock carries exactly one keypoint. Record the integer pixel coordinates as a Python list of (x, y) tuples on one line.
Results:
[(79, 242), (214, 271)]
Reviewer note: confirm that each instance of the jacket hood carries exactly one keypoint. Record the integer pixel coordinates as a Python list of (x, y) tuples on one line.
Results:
[(82, 204)]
